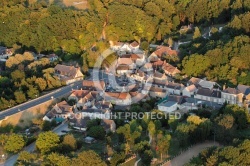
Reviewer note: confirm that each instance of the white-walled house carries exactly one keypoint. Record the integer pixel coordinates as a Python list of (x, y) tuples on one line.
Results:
[(78, 94), (118, 98), (232, 96), (175, 88), (134, 46), (123, 69), (212, 95), (60, 110), (167, 106), (69, 74), (189, 91), (155, 92)]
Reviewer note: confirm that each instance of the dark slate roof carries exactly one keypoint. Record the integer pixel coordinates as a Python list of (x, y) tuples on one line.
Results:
[(204, 92), (244, 89), (247, 92), (231, 91), (175, 98), (174, 86), (80, 122)]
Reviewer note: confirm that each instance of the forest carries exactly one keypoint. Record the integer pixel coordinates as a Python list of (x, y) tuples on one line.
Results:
[(43, 27)]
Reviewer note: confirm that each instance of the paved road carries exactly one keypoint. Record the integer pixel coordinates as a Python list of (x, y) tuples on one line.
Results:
[(12, 160), (55, 94), (190, 153)]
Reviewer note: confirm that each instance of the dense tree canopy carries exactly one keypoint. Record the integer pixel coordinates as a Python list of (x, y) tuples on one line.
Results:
[(228, 155), (14, 143), (47, 141)]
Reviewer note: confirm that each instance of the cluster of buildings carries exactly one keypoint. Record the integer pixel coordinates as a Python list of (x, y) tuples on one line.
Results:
[(155, 78), (138, 77), (89, 102)]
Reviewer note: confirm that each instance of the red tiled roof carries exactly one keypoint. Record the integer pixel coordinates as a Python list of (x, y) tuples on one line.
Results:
[(80, 93), (170, 69), (134, 44), (125, 61), (69, 71), (89, 84), (121, 95), (161, 50)]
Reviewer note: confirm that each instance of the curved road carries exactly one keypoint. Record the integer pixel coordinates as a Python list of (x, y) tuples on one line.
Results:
[(185, 157), (56, 94)]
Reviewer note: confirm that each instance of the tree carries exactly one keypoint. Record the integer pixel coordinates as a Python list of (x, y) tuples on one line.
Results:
[(3, 139), (28, 56), (197, 33), (130, 132), (224, 128), (88, 158), (195, 119), (144, 45), (14, 143), (58, 160), (117, 158), (20, 97), (141, 147), (163, 144), (47, 141), (37, 121), (146, 157), (41, 83), (195, 65), (170, 42), (32, 92), (158, 125), (93, 122), (151, 128), (11, 62), (17, 75), (69, 140), (240, 115), (97, 132), (25, 158), (46, 125)]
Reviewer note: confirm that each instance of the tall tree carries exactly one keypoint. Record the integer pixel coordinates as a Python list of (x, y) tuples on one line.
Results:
[(14, 143), (163, 144), (197, 33), (88, 158), (70, 141), (47, 141)]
